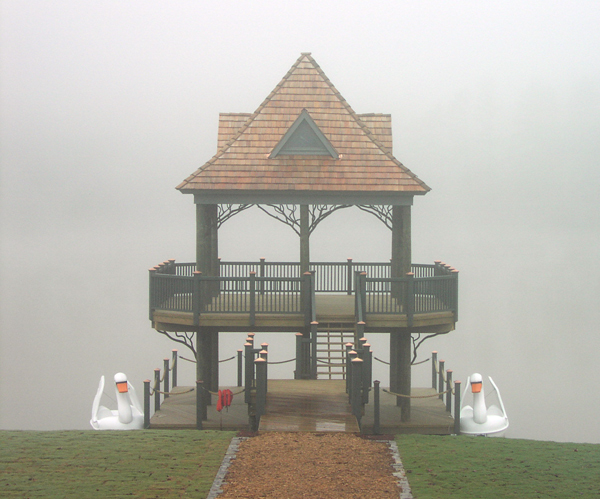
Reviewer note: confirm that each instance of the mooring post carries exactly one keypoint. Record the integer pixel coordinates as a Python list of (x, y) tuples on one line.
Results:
[(376, 408), (146, 404), (356, 402), (264, 354), (249, 355), (156, 389), (166, 383), (449, 393), (298, 371), (441, 380), (261, 387), (239, 367), (367, 375), (434, 370), (351, 356), (457, 407), (174, 368), (200, 407), (348, 349)]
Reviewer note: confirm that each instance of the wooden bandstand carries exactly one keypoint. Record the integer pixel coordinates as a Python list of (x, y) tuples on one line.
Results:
[(300, 157)]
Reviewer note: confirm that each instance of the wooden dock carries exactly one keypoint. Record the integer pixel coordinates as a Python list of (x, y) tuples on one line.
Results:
[(307, 405)]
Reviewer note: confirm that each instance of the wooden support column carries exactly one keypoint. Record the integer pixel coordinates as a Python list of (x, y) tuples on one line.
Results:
[(400, 341), (214, 361), (401, 241), (400, 369), (203, 361), (207, 245), (304, 239), (304, 251)]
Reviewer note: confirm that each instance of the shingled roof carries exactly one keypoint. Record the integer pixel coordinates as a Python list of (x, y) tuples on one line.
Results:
[(244, 169)]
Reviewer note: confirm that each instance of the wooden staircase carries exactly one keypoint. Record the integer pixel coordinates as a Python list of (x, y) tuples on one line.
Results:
[(331, 349)]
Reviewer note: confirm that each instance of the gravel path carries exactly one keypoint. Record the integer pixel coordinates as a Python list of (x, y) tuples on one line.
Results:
[(300, 465)]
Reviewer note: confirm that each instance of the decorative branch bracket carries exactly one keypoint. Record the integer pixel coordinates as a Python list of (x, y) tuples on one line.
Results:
[(383, 213), (226, 211)]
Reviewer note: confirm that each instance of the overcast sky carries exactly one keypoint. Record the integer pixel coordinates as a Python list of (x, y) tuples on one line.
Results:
[(107, 105)]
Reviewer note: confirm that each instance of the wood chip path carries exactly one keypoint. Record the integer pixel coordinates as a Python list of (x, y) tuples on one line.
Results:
[(277, 465)]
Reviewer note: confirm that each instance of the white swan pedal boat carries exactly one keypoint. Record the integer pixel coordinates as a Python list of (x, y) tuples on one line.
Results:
[(481, 419), (129, 414)]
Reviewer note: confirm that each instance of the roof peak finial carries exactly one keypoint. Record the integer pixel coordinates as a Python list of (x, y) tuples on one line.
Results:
[(305, 53)]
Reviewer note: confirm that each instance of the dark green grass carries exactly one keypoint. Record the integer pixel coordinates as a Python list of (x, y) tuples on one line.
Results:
[(179, 463), (479, 468), (88, 464)]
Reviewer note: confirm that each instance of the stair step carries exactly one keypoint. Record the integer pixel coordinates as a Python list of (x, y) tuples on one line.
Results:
[(331, 348)]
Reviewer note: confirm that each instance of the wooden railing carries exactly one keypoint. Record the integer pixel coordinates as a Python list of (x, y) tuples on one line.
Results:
[(198, 294), (276, 287)]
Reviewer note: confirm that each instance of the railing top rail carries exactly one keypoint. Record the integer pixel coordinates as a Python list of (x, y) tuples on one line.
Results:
[(398, 279)]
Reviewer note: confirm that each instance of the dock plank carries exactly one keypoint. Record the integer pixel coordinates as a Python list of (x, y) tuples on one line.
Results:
[(308, 405)]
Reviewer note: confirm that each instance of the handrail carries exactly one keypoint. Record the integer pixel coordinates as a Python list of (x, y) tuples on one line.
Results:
[(275, 287)]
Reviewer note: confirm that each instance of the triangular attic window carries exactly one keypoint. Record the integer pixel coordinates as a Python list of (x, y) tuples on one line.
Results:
[(304, 137)]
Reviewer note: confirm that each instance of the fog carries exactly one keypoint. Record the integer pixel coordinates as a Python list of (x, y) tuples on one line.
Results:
[(106, 106)]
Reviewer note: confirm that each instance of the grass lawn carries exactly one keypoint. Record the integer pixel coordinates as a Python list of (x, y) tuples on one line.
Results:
[(478, 468), (183, 463), (87, 464)]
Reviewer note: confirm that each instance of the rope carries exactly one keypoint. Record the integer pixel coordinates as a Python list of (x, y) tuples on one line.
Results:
[(217, 393), (416, 396), (172, 393), (192, 360), (282, 361), (413, 364)]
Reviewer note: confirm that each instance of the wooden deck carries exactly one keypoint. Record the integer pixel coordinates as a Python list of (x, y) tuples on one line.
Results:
[(307, 405), (330, 308)]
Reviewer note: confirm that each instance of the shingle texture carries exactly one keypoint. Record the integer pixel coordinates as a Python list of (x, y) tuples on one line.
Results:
[(364, 143)]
